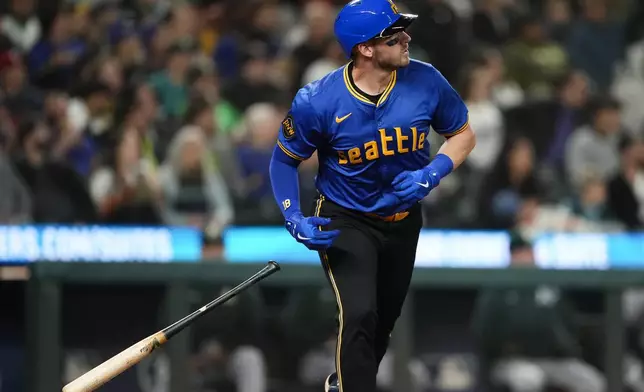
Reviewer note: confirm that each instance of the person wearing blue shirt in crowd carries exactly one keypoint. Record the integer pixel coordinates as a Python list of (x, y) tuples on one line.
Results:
[(369, 122)]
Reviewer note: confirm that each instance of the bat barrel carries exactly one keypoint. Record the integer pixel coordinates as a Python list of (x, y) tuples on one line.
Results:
[(116, 365), (132, 355)]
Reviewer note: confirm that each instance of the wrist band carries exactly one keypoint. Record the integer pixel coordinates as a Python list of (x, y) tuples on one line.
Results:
[(441, 165)]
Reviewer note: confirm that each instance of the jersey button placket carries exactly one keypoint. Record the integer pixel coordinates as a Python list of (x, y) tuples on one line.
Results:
[(382, 167)]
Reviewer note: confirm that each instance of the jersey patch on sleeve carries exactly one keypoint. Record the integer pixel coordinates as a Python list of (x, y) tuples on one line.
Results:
[(288, 127)]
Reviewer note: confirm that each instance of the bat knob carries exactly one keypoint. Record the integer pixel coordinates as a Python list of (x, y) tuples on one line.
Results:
[(274, 264)]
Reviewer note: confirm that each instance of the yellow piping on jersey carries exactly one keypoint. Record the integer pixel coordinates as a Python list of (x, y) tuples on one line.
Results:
[(360, 97), (461, 129), (390, 86), (338, 345), (287, 152)]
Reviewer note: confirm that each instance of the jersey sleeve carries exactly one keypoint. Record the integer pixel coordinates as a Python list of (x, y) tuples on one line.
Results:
[(300, 132), (451, 115)]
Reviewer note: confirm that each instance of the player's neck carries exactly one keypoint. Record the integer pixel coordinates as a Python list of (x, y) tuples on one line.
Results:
[(369, 79)]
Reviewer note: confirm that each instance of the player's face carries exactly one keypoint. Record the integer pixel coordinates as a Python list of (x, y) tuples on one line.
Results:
[(392, 52)]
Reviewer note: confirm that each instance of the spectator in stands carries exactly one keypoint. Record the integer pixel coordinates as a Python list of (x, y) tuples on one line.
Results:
[(21, 25), (221, 147), (332, 58), (146, 15), (171, 84), (20, 97), (56, 109), (185, 23), (596, 42), (526, 337), (194, 192), (156, 129), (586, 212), (138, 109), (512, 179), (535, 61), (549, 123), (85, 125), (492, 22), (313, 37), (558, 15), (533, 218), (126, 188), (439, 36), (130, 53), (626, 189), (634, 28), (485, 117), (505, 93), (8, 55), (254, 83), (205, 83), (594, 149), (262, 122), (53, 61), (161, 40), (213, 19), (58, 192), (255, 33), (104, 19), (591, 204), (628, 87), (110, 72)]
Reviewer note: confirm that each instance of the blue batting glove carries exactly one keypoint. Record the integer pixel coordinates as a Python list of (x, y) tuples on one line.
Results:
[(412, 186), (306, 231)]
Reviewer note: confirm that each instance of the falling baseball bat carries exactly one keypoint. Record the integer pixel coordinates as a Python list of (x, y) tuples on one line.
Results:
[(132, 355)]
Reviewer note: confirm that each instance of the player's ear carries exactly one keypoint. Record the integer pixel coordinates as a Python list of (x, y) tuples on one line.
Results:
[(366, 49)]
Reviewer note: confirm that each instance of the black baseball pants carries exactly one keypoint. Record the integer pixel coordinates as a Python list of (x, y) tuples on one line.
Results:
[(369, 267)]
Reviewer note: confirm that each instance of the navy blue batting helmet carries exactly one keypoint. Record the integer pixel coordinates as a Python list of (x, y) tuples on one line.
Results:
[(362, 20)]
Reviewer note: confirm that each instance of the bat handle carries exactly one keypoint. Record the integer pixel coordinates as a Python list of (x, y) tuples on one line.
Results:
[(274, 265)]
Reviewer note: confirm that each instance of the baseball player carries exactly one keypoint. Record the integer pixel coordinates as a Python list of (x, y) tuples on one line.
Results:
[(369, 122)]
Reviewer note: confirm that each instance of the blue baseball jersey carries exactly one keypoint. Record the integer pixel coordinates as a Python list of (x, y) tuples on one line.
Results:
[(362, 145)]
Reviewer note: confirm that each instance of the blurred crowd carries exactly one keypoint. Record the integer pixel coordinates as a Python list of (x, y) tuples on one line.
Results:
[(166, 112)]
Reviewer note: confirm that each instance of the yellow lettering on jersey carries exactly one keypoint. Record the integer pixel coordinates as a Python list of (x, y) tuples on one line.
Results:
[(399, 139), (383, 142), (342, 158), (371, 150), (374, 149), (414, 138), (421, 141), (354, 155), (286, 203)]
